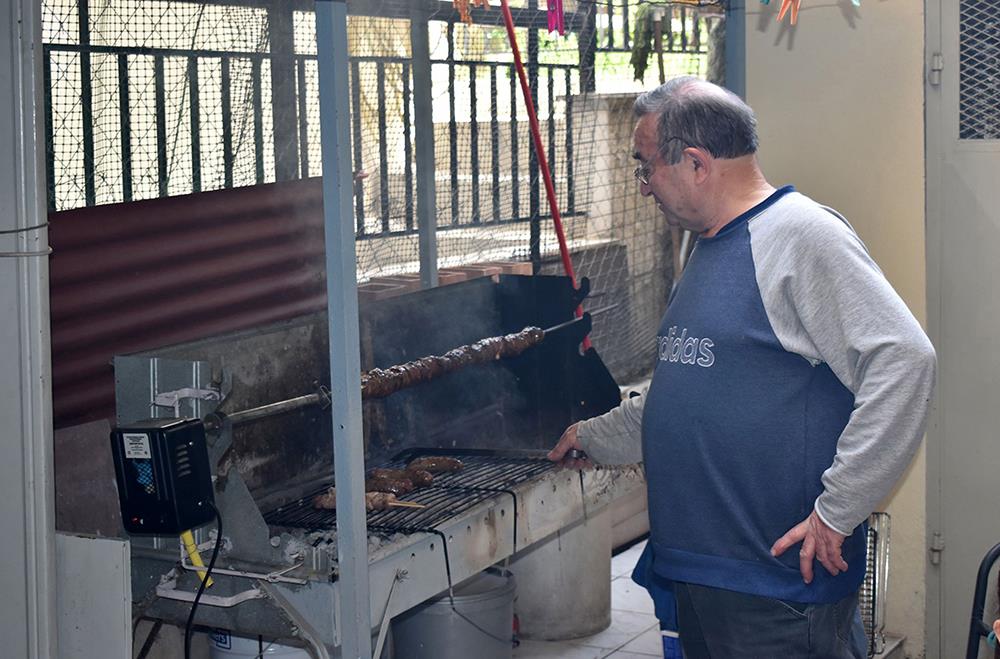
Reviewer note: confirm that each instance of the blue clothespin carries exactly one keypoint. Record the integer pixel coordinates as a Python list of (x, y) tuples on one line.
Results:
[(991, 640)]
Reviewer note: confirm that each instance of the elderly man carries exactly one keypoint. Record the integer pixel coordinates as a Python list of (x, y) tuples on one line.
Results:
[(790, 391)]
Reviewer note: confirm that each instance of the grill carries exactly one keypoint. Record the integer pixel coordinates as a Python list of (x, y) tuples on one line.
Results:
[(280, 574), (484, 475)]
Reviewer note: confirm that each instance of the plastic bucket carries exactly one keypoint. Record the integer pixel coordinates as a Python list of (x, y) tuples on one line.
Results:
[(479, 625)]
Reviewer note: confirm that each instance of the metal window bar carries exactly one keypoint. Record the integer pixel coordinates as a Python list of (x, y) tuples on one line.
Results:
[(257, 106), (407, 147), (301, 93), (383, 153)]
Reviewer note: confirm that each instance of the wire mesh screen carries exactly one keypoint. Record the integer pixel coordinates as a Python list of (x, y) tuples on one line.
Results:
[(150, 98), (979, 70)]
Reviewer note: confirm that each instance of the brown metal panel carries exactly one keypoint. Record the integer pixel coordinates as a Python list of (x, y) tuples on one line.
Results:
[(137, 276)]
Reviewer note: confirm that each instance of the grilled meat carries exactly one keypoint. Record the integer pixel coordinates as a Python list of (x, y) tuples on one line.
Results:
[(378, 500), (418, 477), (395, 486), (373, 500), (435, 464), (379, 383), (327, 500)]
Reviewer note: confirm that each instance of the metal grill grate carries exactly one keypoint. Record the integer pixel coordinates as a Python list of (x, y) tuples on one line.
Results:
[(979, 70), (484, 475)]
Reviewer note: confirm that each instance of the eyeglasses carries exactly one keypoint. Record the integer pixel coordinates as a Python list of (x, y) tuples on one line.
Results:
[(645, 168), (643, 172)]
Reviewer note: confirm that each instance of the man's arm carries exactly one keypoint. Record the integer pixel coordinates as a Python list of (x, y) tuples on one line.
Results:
[(612, 438), (828, 301)]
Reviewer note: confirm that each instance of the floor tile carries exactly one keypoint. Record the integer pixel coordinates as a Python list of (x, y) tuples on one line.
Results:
[(623, 654), (650, 642), (626, 595), (625, 626), (622, 564), (556, 650)]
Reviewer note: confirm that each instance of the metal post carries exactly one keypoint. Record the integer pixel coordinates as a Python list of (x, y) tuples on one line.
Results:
[(423, 126), (736, 48), (342, 306), (27, 574), (534, 191), (283, 106)]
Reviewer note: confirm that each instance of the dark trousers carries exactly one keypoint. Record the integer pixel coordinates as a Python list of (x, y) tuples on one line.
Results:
[(719, 624)]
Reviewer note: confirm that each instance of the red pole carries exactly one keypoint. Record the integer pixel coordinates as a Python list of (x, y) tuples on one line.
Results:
[(536, 138)]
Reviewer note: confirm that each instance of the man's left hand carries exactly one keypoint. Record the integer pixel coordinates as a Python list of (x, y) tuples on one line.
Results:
[(819, 542)]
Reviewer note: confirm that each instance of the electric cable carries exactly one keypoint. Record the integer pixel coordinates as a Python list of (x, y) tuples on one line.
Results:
[(204, 581)]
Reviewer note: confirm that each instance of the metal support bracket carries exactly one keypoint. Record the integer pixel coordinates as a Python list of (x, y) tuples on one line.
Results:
[(173, 398), (167, 589)]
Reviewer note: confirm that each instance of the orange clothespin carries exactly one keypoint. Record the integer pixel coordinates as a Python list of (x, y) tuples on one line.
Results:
[(785, 6), (463, 8)]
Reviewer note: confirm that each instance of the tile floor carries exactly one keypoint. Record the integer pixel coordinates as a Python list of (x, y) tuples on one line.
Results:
[(634, 631)]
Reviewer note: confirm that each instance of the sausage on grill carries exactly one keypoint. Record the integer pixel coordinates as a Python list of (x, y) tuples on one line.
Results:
[(418, 477), (435, 464), (395, 486), (373, 500)]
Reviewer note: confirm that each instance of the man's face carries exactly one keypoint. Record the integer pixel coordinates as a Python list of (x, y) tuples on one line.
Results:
[(665, 182)]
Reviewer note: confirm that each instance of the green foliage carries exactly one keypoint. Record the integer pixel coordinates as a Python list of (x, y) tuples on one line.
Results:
[(642, 40)]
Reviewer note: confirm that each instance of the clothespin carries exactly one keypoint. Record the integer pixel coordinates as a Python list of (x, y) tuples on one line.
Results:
[(556, 17), (463, 8), (785, 6)]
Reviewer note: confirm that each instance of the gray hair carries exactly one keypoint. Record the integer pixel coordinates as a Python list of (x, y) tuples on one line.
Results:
[(692, 112)]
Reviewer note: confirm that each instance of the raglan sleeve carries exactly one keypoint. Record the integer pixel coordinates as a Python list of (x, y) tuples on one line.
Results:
[(830, 302), (616, 436)]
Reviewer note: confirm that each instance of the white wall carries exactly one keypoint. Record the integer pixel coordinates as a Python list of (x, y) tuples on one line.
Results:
[(839, 98)]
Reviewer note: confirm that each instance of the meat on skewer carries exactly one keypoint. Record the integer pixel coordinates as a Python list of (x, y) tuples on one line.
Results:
[(373, 500), (378, 383)]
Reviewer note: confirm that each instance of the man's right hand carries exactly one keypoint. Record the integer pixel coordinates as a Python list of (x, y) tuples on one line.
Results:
[(566, 443)]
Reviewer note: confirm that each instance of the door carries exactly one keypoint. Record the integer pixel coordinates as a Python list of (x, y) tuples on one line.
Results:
[(963, 272)]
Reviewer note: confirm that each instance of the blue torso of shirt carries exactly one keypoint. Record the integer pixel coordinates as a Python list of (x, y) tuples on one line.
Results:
[(737, 432)]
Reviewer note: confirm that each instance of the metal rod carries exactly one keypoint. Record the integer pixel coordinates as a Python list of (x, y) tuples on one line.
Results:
[(423, 128), (383, 148), (258, 121), (474, 142), (494, 144), (87, 105), (407, 149), (125, 127), (344, 337), (273, 409), (359, 164), (300, 72), (195, 118), (452, 124), (227, 124), (161, 126)]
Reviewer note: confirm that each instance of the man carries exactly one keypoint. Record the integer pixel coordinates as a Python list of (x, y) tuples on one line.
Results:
[(790, 392)]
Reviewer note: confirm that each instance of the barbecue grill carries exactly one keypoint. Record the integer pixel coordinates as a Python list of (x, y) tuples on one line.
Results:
[(277, 574)]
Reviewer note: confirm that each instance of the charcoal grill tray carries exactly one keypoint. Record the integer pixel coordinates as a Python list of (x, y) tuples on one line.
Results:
[(486, 473)]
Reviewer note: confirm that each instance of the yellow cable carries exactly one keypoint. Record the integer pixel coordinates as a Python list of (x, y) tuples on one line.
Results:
[(192, 549)]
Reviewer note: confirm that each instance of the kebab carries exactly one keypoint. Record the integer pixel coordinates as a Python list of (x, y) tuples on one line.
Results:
[(374, 501), (379, 383)]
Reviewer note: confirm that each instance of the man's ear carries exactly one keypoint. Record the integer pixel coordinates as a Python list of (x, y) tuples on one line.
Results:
[(699, 162)]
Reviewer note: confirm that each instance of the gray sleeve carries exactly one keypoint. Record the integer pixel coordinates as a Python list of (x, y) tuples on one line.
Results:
[(616, 436), (828, 301)]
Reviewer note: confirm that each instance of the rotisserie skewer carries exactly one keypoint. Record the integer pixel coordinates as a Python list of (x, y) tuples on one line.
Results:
[(379, 383)]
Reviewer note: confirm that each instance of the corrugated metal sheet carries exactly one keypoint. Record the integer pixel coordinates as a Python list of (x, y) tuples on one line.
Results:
[(131, 277)]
